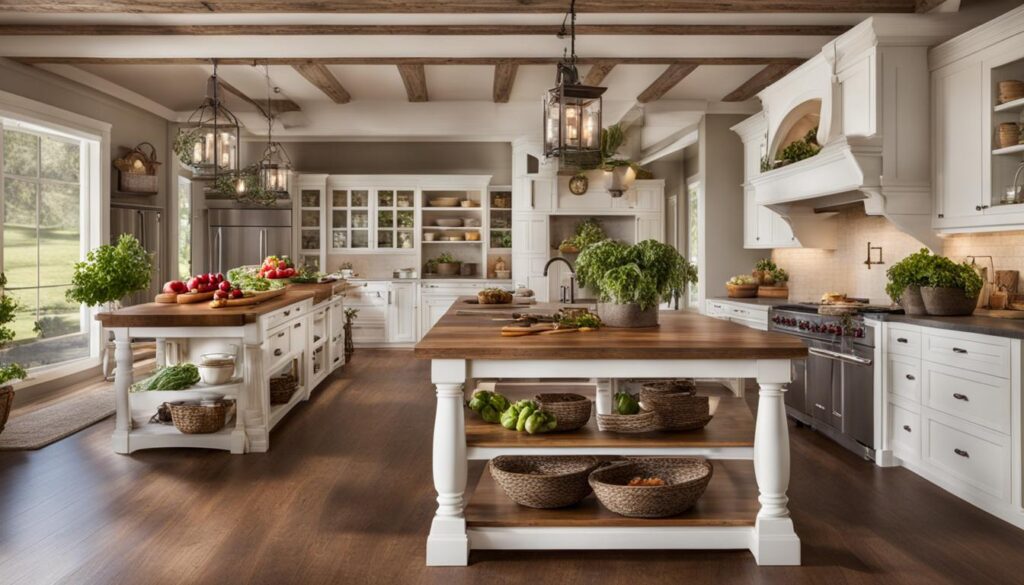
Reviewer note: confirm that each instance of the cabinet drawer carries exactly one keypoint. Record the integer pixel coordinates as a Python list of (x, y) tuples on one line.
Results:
[(716, 309), (904, 341), (988, 355), (367, 294), (369, 332), (904, 377), (905, 432), (970, 458), (279, 342), (971, 396), (274, 319)]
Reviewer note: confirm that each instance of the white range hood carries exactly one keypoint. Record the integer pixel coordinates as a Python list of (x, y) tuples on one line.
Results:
[(868, 91)]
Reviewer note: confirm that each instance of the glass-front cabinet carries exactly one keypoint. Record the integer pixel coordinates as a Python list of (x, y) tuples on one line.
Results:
[(371, 218), (310, 236), (396, 219), (350, 218)]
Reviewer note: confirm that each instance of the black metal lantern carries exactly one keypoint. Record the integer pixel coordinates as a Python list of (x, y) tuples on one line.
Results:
[(212, 133), (572, 113), (275, 166)]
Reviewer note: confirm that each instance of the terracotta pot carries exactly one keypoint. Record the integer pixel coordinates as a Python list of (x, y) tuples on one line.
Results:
[(448, 268), (627, 315), (6, 401), (947, 301), (912, 302)]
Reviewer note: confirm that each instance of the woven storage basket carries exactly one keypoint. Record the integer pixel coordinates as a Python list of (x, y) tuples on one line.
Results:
[(686, 478), (679, 412), (137, 171), (572, 411), (282, 388), (741, 291), (193, 419), (643, 422), (543, 482), (1010, 90), (673, 386)]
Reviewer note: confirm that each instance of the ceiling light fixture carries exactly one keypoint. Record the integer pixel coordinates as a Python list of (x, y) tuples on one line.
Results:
[(275, 166), (572, 111), (212, 133)]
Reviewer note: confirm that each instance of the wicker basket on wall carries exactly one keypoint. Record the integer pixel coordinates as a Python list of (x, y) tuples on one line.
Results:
[(137, 170)]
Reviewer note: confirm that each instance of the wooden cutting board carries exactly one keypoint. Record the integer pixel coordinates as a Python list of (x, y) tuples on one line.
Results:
[(999, 313), (254, 299), (194, 298)]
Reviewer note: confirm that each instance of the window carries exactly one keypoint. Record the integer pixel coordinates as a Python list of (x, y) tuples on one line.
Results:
[(693, 237), (44, 233), (184, 228)]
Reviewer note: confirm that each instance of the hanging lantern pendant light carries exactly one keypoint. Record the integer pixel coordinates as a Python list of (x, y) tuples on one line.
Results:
[(572, 112), (213, 135), (275, 165)]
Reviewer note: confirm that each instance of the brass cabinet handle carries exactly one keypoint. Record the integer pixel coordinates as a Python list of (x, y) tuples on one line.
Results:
[(277, 353)]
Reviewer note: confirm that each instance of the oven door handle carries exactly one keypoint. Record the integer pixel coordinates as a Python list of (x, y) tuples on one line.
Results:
[(843, 357)]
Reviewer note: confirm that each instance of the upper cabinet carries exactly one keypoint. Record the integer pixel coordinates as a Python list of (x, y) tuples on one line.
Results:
[(762, 227), (973, 165)]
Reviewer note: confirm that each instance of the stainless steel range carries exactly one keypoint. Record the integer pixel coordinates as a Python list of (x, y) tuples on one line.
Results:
[(833, 390)]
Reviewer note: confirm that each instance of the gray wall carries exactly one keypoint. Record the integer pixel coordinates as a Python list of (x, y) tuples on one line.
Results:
[(400, 158), (722, 237)]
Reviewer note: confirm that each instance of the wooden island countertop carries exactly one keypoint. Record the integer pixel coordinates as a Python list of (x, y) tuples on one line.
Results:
[(680, 335), (197, 314)]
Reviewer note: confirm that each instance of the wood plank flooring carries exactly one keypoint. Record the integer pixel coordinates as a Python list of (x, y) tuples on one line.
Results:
[(344, 497)]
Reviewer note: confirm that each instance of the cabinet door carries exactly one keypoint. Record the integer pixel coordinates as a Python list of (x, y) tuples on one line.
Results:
[(749, 220), (958, 140), (401, 313), (432, 308), (782, 234), (649, 227), (764, 227), (530, 234), (536, 193)]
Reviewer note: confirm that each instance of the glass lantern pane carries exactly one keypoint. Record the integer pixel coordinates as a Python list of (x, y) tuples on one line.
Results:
[(360, 198)]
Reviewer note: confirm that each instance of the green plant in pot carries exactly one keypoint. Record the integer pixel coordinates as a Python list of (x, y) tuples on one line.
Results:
[(632, 280), (952, 289), (763, 271), (906, 278), (108, 274), (447, 265), (9, 371)]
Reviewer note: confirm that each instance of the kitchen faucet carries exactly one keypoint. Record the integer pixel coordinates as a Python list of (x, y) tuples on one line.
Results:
[(572, 278)]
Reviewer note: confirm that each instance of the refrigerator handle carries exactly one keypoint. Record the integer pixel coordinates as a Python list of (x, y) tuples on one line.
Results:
[(263, 244), (220, 249)]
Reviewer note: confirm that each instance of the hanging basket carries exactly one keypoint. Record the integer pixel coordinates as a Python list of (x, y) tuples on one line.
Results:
[(137, 171)]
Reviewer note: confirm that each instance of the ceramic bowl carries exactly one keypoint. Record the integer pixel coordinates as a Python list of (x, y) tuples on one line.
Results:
[(449, 222), (444, 202), (217, 359), (214, 375)]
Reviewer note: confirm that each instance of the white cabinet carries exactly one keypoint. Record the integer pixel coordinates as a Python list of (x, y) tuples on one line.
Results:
[(535, 193), (437, 298), (762, 227), (401, 312), (747, 314), (530, 234), (650, 227), (952, 412), (370, 298)]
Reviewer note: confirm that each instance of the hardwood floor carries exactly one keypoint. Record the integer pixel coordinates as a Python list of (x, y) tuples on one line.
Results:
[(344, 496)]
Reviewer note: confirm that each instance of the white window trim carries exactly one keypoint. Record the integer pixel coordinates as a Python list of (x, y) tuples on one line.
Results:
[(697, 179), (96, 218)]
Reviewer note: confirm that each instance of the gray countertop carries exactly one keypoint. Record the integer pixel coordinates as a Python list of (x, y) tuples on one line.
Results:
[(756, 301), (982, 325)]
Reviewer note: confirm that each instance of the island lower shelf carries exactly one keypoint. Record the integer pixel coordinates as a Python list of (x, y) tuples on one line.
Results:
[(730, 500)]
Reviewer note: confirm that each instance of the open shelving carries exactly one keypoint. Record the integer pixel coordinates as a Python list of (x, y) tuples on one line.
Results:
[(1005, 161)]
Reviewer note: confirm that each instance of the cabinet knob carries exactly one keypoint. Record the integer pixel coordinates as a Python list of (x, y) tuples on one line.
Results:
[(911, 377), (901, 339), (962, 453), (906, 428), (959, 350), (960, 396)]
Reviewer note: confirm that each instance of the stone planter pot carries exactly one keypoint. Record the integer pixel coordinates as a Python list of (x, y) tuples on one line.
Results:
[(629, 315), (449, 268), (6, 402), (912, 302), (947, 301)]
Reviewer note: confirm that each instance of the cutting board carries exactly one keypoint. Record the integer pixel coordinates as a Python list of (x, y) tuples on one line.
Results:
[(254, 299), (999, 313), (194, 298)]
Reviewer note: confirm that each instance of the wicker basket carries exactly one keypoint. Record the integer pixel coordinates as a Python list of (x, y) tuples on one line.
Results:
[(680, 412), (6, 400), (686, 478), (741, 291), (1010, 90), (193, 419), (137, 171), (282, 388), (543, 482), (572, 411), (643, 422), (1008, 134), (662, 387)]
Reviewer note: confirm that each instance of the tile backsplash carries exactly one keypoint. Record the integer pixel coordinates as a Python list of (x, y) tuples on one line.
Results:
[(814, 271)]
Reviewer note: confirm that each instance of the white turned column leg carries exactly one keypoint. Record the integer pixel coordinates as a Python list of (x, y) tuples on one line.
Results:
[(604, 397), (257, 400), (774, 540), (122, 382), (161, 352), (448, 544)]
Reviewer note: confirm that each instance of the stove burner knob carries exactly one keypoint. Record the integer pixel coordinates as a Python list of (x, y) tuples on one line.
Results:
[(858, 332)]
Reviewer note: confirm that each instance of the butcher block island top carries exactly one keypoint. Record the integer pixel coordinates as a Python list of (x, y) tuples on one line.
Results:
[(202, 315), (469, 331)]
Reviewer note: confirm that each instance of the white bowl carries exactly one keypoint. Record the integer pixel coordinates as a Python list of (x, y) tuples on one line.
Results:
[(214, 375), (217, 359), (428, 237)]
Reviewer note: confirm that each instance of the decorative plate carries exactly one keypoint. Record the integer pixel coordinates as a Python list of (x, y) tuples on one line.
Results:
[(578, 184)]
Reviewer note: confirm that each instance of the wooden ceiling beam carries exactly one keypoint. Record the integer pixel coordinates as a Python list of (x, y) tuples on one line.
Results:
[(598, 71), (922, 6), (422, 30), (276, 106), (324, 80), (407, 60), (666, 81), (453, 6), (759, 81), (415, 79), (504, 79)]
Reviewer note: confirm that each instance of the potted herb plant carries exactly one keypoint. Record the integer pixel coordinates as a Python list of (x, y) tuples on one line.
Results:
[(952, 289), (447, 265), (11, 371), (763, 271), (632, 280), (108, 274), (906, 278)]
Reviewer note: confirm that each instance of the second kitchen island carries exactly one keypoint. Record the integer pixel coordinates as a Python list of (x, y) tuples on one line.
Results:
[(740, 510)]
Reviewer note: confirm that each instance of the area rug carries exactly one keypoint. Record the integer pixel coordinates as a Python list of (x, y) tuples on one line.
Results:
[(40, 427)]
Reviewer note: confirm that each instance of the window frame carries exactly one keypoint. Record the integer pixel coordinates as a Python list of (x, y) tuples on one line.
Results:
[(94, 136)]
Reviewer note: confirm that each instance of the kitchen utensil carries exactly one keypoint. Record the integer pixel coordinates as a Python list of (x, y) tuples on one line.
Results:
[(998, 300), (188, 298), (217, 359), (1009, 134), (469, 203), (166, 298), (252, 300), (1007, 280), (471, 222), (472, 236)]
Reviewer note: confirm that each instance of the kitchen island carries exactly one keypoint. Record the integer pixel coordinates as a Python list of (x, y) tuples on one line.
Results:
[(299, 333), (740, 510)]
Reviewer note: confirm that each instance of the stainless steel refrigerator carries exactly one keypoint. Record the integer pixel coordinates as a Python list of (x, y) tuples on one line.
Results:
[(240, 236), (143, 222)]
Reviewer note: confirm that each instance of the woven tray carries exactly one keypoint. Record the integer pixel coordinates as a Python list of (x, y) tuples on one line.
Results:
[(686, 479), (543, 482), (572, 411), (193, 419), (282, 388), (644, 422)]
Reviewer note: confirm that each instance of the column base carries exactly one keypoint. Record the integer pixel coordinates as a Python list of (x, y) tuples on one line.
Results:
[(119, 439), (448, 544), (775, 543)]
